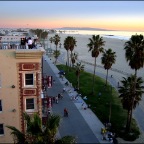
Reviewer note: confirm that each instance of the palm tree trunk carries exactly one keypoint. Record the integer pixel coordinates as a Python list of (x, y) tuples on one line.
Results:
[(71, 59), (106, 77), (128, 121), (78, 81), (131, 110), (94, 76), (135, 72), (56, 55), (68, 60)]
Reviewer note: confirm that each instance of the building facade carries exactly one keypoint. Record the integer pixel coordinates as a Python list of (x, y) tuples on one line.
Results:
[(20, 88)]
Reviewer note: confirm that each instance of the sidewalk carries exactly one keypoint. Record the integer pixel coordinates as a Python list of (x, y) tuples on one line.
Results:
[(83, 124)]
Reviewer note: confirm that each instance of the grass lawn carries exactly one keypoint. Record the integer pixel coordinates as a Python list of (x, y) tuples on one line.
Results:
[(102, 105)]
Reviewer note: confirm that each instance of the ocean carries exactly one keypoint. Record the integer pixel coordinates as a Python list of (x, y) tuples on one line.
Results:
[(124, 35)]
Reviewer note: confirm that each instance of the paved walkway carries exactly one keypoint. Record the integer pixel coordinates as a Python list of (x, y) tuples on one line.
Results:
[(83, 124)]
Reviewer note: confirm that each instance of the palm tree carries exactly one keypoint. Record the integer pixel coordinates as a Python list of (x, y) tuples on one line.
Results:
[(51, 128), (38, 32), (18, 136), (95, 46), (66, 140), (134, 52), (108, 59), (44, 35), (35, 133), (56, 55), (67, 47), (51, 40), (72, 45), (78, 67), (74, 58), (130, 97), (56, 40)]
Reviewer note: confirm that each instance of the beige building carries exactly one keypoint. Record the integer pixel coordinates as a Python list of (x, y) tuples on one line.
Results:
[(20, 88)]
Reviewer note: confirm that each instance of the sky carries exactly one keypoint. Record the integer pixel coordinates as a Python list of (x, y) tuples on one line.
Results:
[(112, 15)]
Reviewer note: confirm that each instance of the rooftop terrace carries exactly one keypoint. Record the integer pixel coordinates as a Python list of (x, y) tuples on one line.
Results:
[(14, 42)]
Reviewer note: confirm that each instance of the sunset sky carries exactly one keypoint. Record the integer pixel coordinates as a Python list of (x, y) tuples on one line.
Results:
[(113, 15)]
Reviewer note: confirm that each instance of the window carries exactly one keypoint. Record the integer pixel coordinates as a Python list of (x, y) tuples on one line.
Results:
[(30, 104), (1, 129), (29, 79), (0, 105)]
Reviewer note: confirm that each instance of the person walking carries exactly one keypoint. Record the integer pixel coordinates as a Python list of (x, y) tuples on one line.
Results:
[(65, 112), (64, 89), (56, 99)]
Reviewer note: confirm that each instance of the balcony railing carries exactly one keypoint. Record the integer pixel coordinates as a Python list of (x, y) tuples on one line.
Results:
[(16, 45)]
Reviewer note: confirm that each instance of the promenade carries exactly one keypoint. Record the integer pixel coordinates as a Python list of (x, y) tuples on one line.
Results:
[(83, 124), (118, 71)]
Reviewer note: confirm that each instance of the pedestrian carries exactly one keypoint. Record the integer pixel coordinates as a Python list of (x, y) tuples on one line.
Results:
[(56, 99), (82, 106), (62, 77), (30, 43), (72, 97), (64, 89), (65, 112), (49, 112), (70, 84), (66, 84), (61, 95), (110, 137)]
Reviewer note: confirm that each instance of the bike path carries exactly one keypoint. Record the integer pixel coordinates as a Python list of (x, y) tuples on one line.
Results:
[(83, 124)]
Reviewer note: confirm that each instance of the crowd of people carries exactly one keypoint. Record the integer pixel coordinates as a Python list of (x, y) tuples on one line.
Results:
[(107, 134), (29, 43)]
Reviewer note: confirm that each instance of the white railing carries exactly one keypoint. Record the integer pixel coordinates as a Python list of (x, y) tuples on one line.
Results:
[(16, 46)]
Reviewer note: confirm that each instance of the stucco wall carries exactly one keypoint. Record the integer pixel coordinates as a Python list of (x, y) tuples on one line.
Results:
[(8, 95)]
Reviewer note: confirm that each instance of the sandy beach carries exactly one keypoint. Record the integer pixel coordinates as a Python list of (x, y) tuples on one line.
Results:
[(116, 45)]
